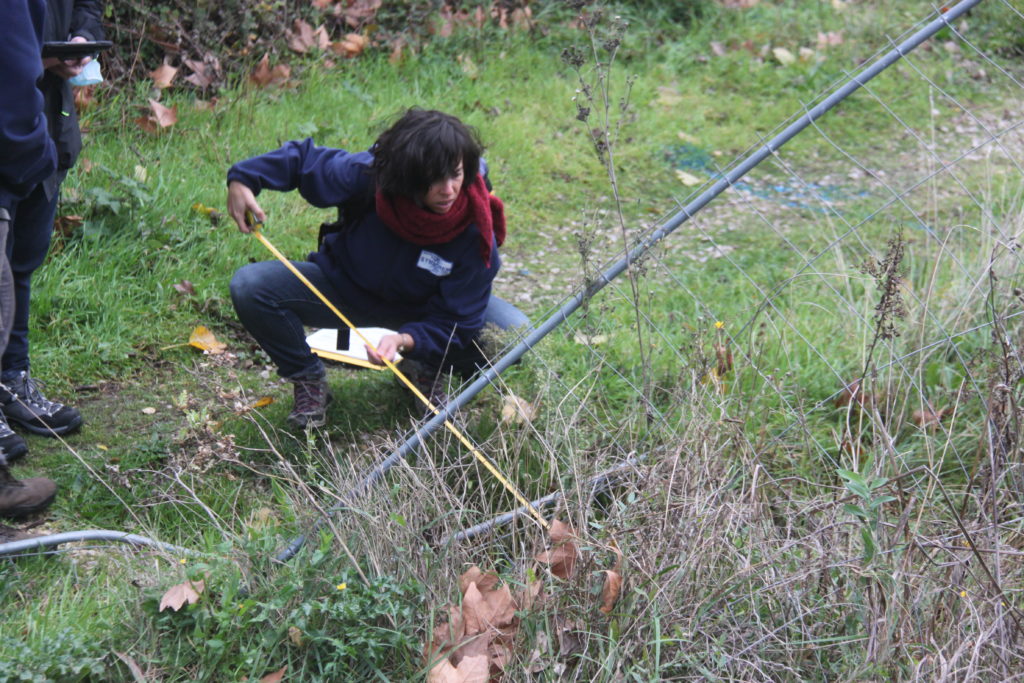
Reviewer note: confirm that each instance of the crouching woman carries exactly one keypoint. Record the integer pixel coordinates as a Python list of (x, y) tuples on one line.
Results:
[(416, 251)]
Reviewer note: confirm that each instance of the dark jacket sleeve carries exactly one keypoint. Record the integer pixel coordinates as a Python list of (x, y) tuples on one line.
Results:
[(85, 20), (27, 154), (324, 176)]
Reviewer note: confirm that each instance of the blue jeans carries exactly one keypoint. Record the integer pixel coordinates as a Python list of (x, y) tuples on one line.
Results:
[(274, 306)]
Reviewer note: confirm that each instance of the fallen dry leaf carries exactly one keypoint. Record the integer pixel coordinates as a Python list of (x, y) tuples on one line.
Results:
[(517, 410), (202, 338), (687, 179), (397, 51), (611, 590), (783, 56), (264, 75), (358, 12), (854, 394), (65, 225), (717, 48), (929, 418), (164, 116), (262, 402), (560, 532), (323, 41), (300, 38), (829, 39), (185, 287), (482, 612), (295, 635), (163, 75), (474, 669), (472, 646), (351, 46), (158, 117), (85, 97), (180, 595), (484, 581), (473, 607), (203, 74), (561, 560), (149, 410), (590, 340), (561, 557), (276, 676)]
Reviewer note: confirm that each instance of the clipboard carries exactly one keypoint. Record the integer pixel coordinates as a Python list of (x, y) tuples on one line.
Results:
[(65, 49), (344, 346)]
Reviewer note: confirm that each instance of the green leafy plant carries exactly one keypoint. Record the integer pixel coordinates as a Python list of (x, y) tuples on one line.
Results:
[(868, 489)]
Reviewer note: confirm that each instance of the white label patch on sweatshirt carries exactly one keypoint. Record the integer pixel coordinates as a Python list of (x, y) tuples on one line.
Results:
[(434, 264)]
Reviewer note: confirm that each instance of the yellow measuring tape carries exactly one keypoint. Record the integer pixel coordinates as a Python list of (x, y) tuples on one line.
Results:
[(484, 460)]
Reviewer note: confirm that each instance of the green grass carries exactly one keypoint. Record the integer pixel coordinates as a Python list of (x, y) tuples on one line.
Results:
[(740, 559)]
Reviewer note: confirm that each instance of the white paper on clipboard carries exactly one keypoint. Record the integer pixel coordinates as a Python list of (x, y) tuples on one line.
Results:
[(345, 346)]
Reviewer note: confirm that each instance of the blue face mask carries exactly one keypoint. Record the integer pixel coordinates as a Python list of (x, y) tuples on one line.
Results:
[(90, 75)]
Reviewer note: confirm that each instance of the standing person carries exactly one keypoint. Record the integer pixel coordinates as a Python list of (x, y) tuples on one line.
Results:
[(27, 156), (417, 252), (21, 401)]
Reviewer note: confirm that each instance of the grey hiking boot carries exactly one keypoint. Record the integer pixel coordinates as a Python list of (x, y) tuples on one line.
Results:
[(11, 443), (20, 498), (24, 405), (311, 399)]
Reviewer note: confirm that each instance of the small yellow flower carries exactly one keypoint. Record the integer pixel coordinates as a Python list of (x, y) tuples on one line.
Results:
[(719, 324), (183, 560), (963, 594), (342, 586)]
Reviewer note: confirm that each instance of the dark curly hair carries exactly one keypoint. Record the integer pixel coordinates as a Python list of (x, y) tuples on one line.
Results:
[(422, 147)]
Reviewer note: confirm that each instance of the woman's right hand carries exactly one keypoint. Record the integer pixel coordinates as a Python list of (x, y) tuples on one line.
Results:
[(241, 200)]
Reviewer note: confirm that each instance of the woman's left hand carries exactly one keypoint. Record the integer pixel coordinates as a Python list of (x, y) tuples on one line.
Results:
[(388, 346)]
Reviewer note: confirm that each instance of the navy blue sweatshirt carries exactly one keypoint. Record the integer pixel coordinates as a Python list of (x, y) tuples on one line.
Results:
[(27, 154), (440, 292)]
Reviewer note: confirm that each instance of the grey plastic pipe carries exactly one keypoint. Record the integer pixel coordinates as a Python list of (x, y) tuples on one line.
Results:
[(26, 545)]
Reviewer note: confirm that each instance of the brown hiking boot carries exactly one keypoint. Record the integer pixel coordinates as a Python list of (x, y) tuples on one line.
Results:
[(25, 497), (311, 399), (428, 379)]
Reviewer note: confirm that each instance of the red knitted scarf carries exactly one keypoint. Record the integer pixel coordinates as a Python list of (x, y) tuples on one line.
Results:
[(424, 227)]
